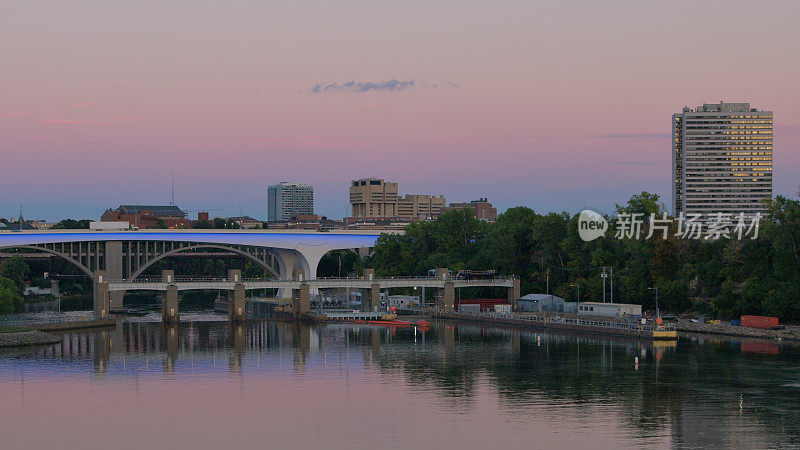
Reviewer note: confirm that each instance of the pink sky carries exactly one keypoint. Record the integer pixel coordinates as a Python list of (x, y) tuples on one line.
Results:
[(552, 105)]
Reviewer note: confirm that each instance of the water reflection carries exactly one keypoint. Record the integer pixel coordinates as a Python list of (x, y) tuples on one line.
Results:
[(705, 392)]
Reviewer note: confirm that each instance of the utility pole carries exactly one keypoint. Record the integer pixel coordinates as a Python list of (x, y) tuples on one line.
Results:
[(603, 276), (612, 285), (548, 281)]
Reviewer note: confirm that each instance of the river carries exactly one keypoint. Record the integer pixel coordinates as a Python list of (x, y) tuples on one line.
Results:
[(208, 384)]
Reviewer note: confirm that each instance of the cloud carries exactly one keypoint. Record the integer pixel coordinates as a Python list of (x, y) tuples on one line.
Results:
[(67, 122), (85, 104), (13, 114), (364, 86)]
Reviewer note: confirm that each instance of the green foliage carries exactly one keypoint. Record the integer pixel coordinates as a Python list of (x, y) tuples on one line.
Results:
[(72, 224), (16, 270), (728, 275), (10, 297)]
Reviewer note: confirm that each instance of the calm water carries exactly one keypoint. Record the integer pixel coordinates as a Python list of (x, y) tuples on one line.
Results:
[(281, 385)]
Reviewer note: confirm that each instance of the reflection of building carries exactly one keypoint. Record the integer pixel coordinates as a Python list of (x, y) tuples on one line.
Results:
[(287, 200), (483, 209), (721, 159), (376, 198), (148, 216)]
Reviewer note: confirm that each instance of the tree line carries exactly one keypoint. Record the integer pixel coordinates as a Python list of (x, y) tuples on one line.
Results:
[(725, 277)]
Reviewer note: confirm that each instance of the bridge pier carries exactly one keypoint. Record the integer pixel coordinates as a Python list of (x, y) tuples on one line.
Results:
[(169, 302), (301, 298), (237, 310), (113, 264), (367, 301), (101, 294), (514, 293)]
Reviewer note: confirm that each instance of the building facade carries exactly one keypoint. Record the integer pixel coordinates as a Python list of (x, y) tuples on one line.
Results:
[(483, 209), (721, 160), (148, 216), (377, 198), (286, 200)]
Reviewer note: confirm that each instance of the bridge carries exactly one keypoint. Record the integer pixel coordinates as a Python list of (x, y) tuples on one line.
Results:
[(118, 255), (300, 289)]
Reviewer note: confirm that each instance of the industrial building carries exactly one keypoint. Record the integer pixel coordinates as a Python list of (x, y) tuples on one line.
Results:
[(545, 303), (721, 160)]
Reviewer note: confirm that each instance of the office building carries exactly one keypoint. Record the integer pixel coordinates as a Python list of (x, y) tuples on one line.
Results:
[(721, 160), (287, 200), (376, 198)]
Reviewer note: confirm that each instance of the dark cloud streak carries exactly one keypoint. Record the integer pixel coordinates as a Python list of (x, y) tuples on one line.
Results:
[(364, 86)]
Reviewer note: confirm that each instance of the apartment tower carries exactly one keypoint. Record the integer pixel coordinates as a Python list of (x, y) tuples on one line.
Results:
[(721, 160), (286, 200)]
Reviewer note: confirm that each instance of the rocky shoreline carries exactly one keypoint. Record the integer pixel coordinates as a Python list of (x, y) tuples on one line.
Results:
[(730, 330), (27, 338)]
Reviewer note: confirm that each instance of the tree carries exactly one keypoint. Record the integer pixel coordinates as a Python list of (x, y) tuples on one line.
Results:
[(16, 270), (71, 224), (10, 298)]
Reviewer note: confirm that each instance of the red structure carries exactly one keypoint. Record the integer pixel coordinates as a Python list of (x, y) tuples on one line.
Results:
[(760, 322), (487, 304)]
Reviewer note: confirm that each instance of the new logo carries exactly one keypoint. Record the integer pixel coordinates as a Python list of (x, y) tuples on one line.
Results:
[(591, 225)]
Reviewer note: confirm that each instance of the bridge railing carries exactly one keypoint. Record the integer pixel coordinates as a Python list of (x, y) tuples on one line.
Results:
[(261, 279)]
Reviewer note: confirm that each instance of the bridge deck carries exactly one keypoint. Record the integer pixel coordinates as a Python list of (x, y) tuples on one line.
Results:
[(319, 283)]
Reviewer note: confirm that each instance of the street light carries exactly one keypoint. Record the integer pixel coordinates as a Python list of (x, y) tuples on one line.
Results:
[(579, 290), (655, 289)]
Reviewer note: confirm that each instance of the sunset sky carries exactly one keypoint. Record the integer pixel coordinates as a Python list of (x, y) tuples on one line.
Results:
[(556, 105)]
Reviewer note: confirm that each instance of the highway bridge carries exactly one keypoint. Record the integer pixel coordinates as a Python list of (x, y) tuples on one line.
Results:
[(128, 254)]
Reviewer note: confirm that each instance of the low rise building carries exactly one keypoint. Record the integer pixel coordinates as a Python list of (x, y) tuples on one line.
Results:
[(483, 209), (609, 309), (546, 303), (148, 216)]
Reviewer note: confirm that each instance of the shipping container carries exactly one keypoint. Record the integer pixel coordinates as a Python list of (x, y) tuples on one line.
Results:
[(760, 322)]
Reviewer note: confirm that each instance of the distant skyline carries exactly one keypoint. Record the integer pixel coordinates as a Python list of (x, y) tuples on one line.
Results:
[(552, 105)]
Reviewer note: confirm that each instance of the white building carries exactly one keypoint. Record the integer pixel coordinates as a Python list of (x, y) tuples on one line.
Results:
[(609, 309), (721, 160), (286, 200)]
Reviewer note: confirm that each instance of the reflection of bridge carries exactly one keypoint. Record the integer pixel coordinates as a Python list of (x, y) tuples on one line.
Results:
[(127, 254)]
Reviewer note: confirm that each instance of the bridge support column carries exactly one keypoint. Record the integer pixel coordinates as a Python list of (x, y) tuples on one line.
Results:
[(301, 300), (169, 302), (113, 263), (101, 294), (286, 264), (375, 296), (448, 296), (514, 293), (237, 310)]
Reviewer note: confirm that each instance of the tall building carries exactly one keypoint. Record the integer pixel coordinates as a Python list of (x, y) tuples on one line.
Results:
[(286, 200), (373, 197), (376, 198), (483, 209), (721, 160)]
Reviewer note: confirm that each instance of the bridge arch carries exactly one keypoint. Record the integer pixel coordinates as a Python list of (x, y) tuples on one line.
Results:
[(64, 256), (176, 251)]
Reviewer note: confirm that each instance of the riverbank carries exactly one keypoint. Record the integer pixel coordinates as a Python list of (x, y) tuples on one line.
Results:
[(26, 338), (788, 334)]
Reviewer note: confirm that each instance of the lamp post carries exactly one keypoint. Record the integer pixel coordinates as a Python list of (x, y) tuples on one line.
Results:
[(579, 291), (655, 289)]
